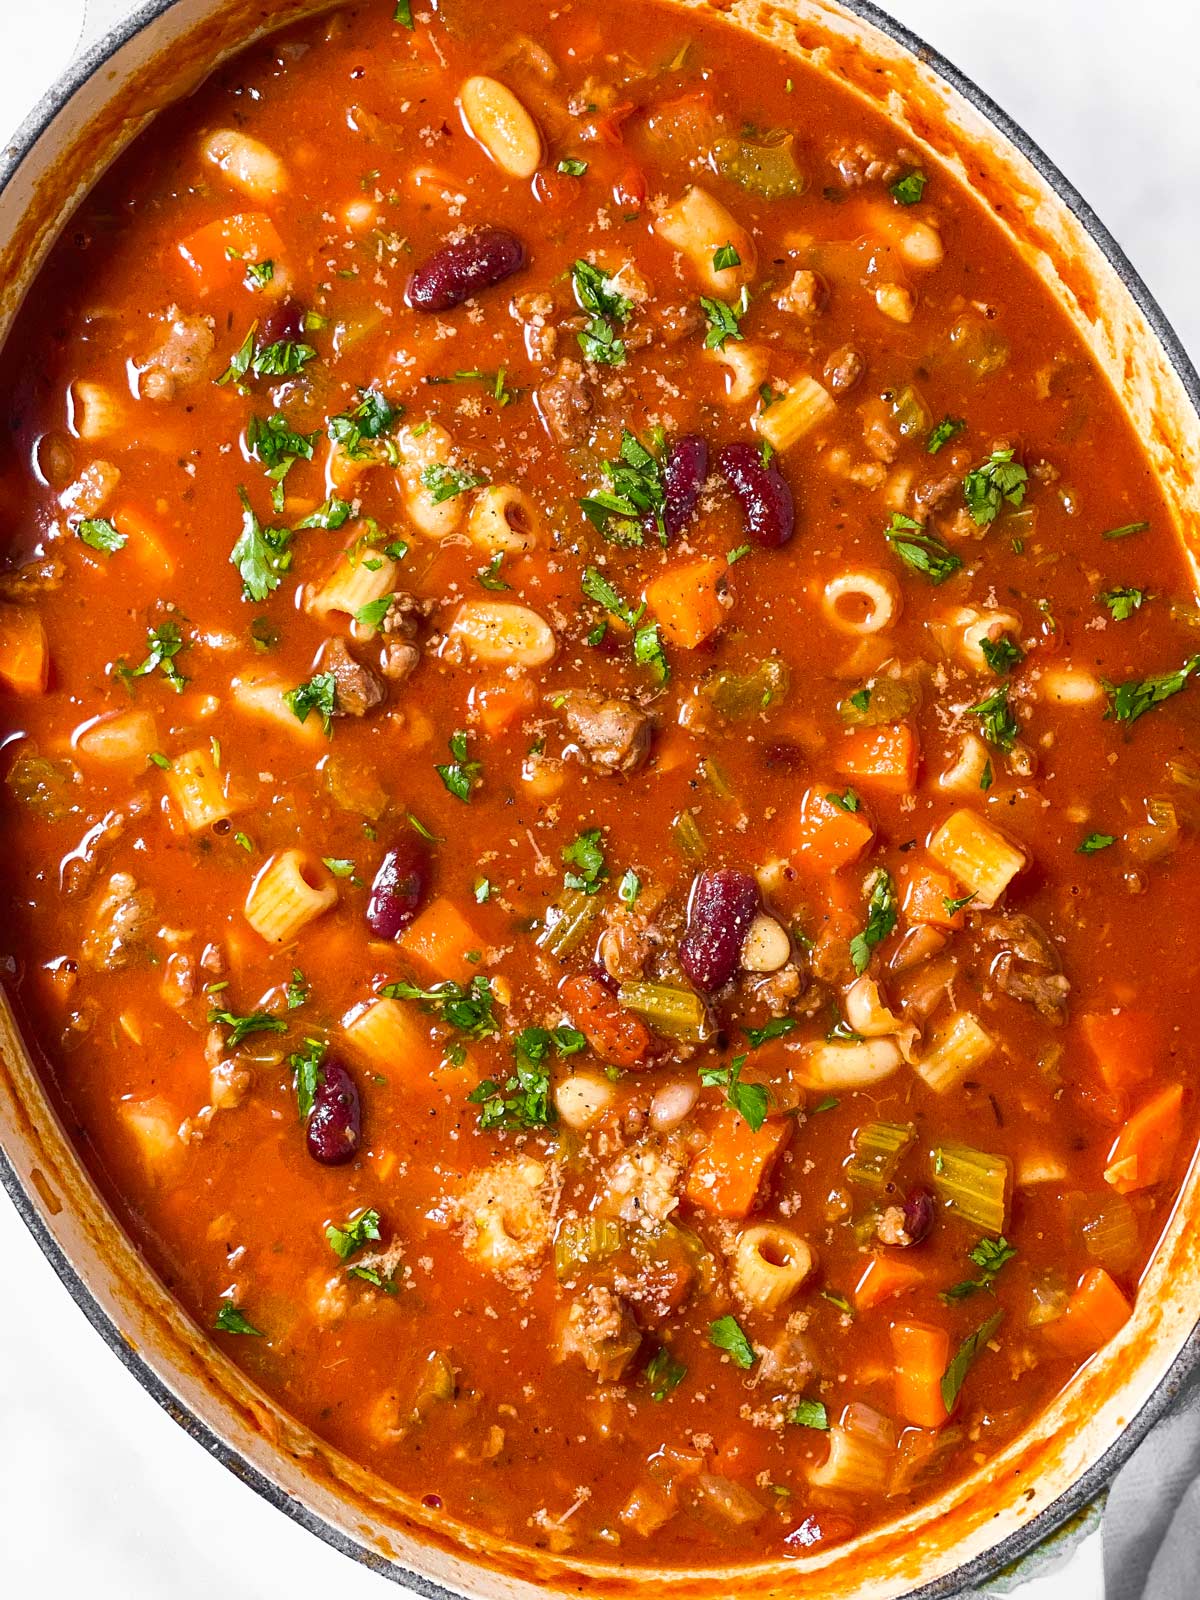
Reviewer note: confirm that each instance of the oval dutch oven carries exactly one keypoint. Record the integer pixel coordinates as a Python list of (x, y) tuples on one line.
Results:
[(1058, 1465)]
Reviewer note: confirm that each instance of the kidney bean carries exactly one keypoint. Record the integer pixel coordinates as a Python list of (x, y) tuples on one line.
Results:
[(400, 887), (284, 320), (683, 481), (721, 910), (768, 510), (617, 1036), (335, 1121), (918, 1214), (459, 270)]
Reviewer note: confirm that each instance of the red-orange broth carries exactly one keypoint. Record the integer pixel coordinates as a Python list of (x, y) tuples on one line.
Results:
[(815, 1074)]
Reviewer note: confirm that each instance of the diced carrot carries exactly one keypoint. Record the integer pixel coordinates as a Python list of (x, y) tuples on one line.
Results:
[(827, 836), (686, 601), (922, 1355), (24, 652), (219, 252), (1124, 1044), (1095, 1312), (729, 1172), (148, 544), (440, 940), (616, 1035), (1143, 1149), (926, 894), (498, 705), (885, 757), (882, 1278)]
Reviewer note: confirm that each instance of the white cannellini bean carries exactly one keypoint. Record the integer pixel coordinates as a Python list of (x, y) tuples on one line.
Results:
[(672, 1104), (1070, 686), (504, 633), (766, 947), (245, 163), (504, 128), (582, 1099), (921, 246), (849, 1064)]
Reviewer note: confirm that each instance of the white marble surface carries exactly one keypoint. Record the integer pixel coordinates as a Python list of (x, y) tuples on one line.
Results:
[(100, 1492)]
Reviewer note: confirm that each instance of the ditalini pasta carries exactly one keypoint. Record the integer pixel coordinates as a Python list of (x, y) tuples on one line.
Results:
[(601, 778)]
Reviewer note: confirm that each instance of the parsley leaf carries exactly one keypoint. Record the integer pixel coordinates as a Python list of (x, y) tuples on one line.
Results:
[(724, 320), (319, 694), (964, 1358), (100, 534), (727, 1334), (749, 1100), (600, 344), (282, 359), (297, 990), (948, 428), (953, 907), (997, 723), (1094, 843), (586, 854), (1122, 603), (637, 495), (1130, 700), (523, 1101), (572, 167), (261, 555), (352, 1235), (242, 1027), (809, 1414), (445, 482), (403, 14), (986, 488), (467, 1008), (595, 294), (921, 551), (724, 257), (306, 1068), (274, 442), (989, 1255), (648, 651), (329, 514), (845, 802), (489, 576), (231, 1320), (597, 587), (372, 615), (165, 642), (461, 775), (775, 1029), (629, 888), (371, 420), (663, 1373), (907, 191), (881, 918), (1002, 654)]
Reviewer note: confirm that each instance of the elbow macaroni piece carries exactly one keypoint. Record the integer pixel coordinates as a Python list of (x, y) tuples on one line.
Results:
[(245, 163), (358, 577), (292, 890), (503, 519), (199, 790), (770, 1263), (260, 695), (504, 634), (746, 365), (425, 446), (861, 602)]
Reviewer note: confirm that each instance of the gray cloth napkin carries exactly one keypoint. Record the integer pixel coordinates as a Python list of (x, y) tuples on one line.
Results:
[(1152, 1520)]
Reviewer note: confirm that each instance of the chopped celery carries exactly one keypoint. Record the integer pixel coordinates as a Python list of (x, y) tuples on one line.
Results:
[(910, 413), (717, 781), (767, 168), (688, 837), (973, 1184), (583, 1241), (884, 699), (568, 922), (735, 695), (1110, 1234), (677, 1013), (877, 1149)]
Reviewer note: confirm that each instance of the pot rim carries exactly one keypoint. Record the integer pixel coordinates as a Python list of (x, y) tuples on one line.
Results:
[(1073, 1500)]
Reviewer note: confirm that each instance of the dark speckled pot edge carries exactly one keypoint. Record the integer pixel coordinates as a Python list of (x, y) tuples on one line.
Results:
[(1086, 1488)]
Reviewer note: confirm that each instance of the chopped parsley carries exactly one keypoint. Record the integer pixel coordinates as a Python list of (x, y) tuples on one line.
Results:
[(231, 1320), (1094, 843), (330, 514), (482, 891), (648, 651), (1122, 603), (494, 382), (572, 167), (461, 775), (373, 614), (319, 694), (371, 420), (403, 14), (636, 495), (444, 482), (523, 1101), (953, 907), (988, 487), (948, 428), (989, 1255), (629, 888), (296, 992), (353, 1235), (725, 257), (164, 642), (595, 293), (775, 1029), (489, 576), (907, 191), (261, 555), (307, 1074), (845, 802), (1130, 700), (340, 866), (586, 855), (749, 1100), (663, 1373), (996, 721), (727, 1334), (274, 442), (724, 320), (282, 359), (921, 551), (1002, 654), (881, 918), (809, 1414), (597, 587), (964, 1358), (242, 1027), (98, 533), (1126, 530), (468, 1008)]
